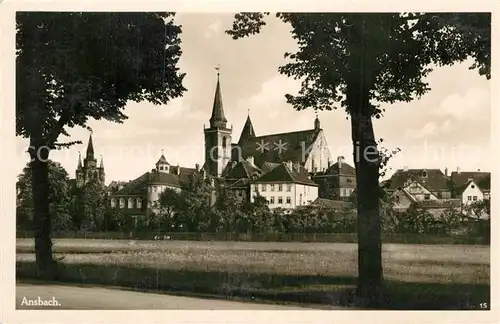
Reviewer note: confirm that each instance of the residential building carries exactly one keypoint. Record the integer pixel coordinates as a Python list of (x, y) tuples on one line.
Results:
[(337, 182), (475, 189), (427, 186), (139, 196), (286, 186)]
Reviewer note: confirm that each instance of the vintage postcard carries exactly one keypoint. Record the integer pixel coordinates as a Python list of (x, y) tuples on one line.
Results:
[(315, 160)]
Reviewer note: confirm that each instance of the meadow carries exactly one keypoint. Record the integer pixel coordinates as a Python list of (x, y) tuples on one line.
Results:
[(417, 276)]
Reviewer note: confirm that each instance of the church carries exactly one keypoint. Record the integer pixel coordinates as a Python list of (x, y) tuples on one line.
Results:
[(284, 168)]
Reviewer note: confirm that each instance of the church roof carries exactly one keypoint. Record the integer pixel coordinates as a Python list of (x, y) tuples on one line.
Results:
[(283, 173), (266, 148), (248, 131)]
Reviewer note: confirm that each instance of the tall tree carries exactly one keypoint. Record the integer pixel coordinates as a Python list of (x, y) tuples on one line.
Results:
[(93, 206), (72, 67), (360, 60), (59, 197)]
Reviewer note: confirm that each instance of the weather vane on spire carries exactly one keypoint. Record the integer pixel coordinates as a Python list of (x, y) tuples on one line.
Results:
[(217, 68)]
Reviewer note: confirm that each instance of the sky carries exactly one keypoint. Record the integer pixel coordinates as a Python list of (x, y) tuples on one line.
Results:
[(449, 127)]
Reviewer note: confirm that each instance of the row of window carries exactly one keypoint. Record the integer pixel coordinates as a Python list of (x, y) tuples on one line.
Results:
[(472, 198), (279, 200), (263, 187), (130, 203)]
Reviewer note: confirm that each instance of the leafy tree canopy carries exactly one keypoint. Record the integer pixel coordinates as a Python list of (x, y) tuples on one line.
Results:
[(73, 66), (59, 196), (395, 49)]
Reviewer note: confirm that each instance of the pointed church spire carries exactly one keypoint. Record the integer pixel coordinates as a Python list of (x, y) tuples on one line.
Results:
[(90, 148), (102, 163), (218, 119), (80, 166), (248, 131)]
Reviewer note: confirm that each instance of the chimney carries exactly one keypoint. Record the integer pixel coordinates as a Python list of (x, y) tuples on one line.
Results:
[(340, 160), (458, 170), (478, 170), (251, 160), (405, 168), (197, 166), (289, 165), (297, 166), (178, 170), (446, 172), (329, 163)]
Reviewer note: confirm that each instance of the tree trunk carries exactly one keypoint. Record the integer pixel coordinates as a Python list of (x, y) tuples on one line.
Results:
[(360, 81), (366, 160), (368, 223), (45, 265)]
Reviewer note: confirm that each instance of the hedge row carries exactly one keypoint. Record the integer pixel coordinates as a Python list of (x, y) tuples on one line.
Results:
[(278, 237)]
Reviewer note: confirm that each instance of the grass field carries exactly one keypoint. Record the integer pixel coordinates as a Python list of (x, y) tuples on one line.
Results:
[(417, 276)]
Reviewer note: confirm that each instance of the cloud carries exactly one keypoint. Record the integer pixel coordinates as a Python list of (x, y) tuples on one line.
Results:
[(472, 105), (213, 29), (427, 130), (268, 107)]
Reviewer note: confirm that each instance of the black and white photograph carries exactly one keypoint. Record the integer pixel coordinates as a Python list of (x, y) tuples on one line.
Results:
[(333, 161)]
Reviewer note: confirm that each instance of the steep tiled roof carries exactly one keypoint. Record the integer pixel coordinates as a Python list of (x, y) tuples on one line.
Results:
[(268, 166), (406, 193), (163, 178), (248, 131), (139, 185), (435, 179), (485, 183), (344, 169), (292, 147), (335, 204), (240, 183), (136, 187), (283, 173), (462, 178), (242, 169)]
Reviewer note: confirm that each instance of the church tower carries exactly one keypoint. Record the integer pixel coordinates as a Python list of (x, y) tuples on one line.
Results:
[(89, 171), (218, 137)]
